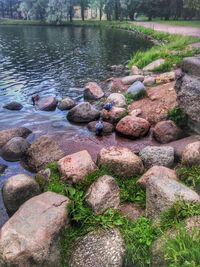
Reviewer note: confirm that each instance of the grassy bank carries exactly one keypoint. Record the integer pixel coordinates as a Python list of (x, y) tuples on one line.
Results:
[(185, 23)]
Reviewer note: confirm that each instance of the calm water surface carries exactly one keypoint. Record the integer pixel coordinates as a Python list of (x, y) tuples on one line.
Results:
[(54, 61)]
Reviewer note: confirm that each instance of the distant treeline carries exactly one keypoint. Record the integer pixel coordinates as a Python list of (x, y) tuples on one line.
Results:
[(57, 11)]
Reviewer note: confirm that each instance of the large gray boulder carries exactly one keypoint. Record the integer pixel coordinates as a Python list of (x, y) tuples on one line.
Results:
[(102, 248), (163, 192), (160, 156), (103, 194), (17, 190), (31, 237), (191, 65), (15, 149), (6, 135), (188, 98), (83, 112)]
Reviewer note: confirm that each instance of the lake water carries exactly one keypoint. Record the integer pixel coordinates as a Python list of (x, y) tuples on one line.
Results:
[(55, 61)]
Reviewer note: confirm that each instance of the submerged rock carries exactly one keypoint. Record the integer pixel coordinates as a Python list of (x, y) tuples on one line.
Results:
[(66, 103), (101, 248), (17, 190), (31, 237), (8, 134), (13, 106), (47, 104), (93, 91)]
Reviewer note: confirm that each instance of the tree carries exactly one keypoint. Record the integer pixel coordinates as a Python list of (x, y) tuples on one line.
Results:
[(58, 10)]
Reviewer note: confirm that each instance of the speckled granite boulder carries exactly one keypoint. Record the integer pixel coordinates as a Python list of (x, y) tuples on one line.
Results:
[(191, 154)]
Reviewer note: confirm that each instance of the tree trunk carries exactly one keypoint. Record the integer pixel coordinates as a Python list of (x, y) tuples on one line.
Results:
[(82, 10)]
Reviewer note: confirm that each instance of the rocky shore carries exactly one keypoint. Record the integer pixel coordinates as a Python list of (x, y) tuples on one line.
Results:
[(158, 113)]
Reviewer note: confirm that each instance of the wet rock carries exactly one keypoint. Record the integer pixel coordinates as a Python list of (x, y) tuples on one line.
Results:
[(160, 156), (133, 126), (128, 80), (158, 171), (2, 168), (31, 236), (166, 77), (6, 135), (83, 112), (118, 100), (131, 211), (107, 127), (191, 65), (149, 81), (13, 106), (93, 91), (43, 151), (42, 178), (66, 103), (121, 161), (136, 88), (167, 131), (154, 65), (74, 168), (103, 194), (135, 71), (15, 149), (162, 193), (191, 154), (101, 248), (114, 115), (17, 190), (47, 104)]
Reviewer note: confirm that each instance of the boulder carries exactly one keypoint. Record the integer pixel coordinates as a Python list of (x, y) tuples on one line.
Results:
[(107, 127), (167, 131), (191, 65), (47, 104), (162, 193), (118, 100), (149, 81), (31, 237), (6, 135), (136, 88), (83, 112), (128, 80), (74, 168), (160, 156), (131, 210), (191, 154), (2, 168), (166, 77), (154, 65), (114, 115), (66, 103), (103, 194), (158, 171), (93, 91), (133, 126), (101, 248), (13, 106), (188, 98), (15, 149), (17, 190), (121, 161), (43, 151)]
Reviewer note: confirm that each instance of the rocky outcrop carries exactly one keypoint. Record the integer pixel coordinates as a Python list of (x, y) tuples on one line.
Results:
[(161, 156), (114, 115), (121, 161), (47, 104), (31, 236), (162, 193), (66, 103), (118, 100), (102, 248), (167, 131), (13, 106), (133, 126), (17, 190), (191, 154), (83, 112), (93, 91), (15, 149), (43, 151), (104, 193), (107, 127), (74, 168), (8, 134)]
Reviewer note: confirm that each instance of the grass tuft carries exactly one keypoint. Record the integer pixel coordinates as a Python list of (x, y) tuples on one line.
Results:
[(130, 98), (176, 114)]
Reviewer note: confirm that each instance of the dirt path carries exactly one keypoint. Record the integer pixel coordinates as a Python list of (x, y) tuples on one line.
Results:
[(189, 31)]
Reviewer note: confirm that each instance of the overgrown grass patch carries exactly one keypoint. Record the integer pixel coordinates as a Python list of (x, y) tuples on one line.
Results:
[(130, 98), (176, 114)]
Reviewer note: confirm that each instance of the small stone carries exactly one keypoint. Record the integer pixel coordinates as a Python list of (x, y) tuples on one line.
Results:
[(13, 106), (107, 127), (121, 161), (136, 88), (128, 80), (47, 104), (114, 115), (131, 211), (74, 168), (149, 81), (160, 156), (153, 65), (103, 194), (17, 190), (166, 77), (93, 91), (118, 100), (100, 248), (66, 103), (191, 154)]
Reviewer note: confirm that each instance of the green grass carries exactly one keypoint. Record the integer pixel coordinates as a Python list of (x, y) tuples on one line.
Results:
[(177, 115), (130, 98), (190, 176)]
